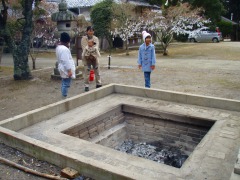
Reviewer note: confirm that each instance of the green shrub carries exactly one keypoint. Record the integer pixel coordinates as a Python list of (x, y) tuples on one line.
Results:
[(225, 27), (180, 37)]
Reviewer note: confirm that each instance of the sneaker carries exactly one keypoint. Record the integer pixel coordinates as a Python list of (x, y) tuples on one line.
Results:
[(64, 97), (98, 86), (86, 89)]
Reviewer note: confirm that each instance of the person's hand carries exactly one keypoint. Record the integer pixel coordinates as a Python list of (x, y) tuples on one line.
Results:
[(152, 67), (69, 73), (139, 66)]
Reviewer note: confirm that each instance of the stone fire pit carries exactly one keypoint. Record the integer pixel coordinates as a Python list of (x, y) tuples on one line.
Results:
[(127, 125)]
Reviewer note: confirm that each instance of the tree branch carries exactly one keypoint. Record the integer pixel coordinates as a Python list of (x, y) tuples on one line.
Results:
[(31, 171)]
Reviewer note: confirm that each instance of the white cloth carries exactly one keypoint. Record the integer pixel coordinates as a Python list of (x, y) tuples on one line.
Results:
[(65, 61), (145, 34)]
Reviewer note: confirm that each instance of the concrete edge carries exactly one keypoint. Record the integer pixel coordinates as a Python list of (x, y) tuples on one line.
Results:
[(61, 157), (173, 96), (168, 116)]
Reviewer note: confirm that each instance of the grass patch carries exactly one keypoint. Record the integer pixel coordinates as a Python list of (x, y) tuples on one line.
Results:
[(6, 71), (44, 54), (215, 51)]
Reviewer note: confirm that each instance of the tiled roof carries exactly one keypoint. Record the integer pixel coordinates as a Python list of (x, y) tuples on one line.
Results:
[(90, 3), (228, 20), (84, 3), (139, 3), (144, 4)]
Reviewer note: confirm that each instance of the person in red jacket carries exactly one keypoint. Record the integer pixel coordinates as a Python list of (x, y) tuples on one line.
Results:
[(218, 30)]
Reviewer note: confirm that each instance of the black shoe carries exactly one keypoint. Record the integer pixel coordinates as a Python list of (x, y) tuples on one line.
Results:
[(98, 86), (86, 89), (64, 97)]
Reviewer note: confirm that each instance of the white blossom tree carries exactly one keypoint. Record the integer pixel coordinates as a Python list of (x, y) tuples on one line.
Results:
[(124, 23), (178, 19), (127, 30)]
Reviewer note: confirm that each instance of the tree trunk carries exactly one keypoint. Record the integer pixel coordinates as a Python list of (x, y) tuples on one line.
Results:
[(166, 38), (33, 60), (164, 46), (19, 52), (21, 67), (127, 49), (34, 63), (165, 51)]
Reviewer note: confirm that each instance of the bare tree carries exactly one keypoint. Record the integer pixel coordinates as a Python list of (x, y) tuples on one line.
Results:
[(42, 37), (43, 29)]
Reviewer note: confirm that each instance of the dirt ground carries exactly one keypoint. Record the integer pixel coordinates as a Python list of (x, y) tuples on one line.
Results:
[(210, 69)]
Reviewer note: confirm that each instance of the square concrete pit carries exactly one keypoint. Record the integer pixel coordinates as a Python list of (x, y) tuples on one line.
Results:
[(40, 133)]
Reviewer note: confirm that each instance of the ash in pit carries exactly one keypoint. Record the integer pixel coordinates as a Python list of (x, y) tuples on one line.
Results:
[(155, 151)]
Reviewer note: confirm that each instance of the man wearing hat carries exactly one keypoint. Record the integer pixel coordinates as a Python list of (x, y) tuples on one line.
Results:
[(88, 61), (147, 58), (66, 64)]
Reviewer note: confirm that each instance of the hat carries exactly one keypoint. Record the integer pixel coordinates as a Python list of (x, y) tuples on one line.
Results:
[(145, 34), (65, 38)]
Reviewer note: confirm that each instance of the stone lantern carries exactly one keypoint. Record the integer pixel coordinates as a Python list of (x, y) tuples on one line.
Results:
[(66, 21)]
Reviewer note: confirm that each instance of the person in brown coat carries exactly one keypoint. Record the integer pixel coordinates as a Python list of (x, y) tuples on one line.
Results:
[(91, 58)]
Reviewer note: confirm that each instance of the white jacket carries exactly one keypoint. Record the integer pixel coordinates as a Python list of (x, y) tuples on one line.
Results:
[(65, 61)]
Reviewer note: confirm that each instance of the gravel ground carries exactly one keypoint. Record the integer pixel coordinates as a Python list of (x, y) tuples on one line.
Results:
[(210, 69)]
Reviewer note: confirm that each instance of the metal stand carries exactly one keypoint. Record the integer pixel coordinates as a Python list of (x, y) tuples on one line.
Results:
[(109, 61)]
